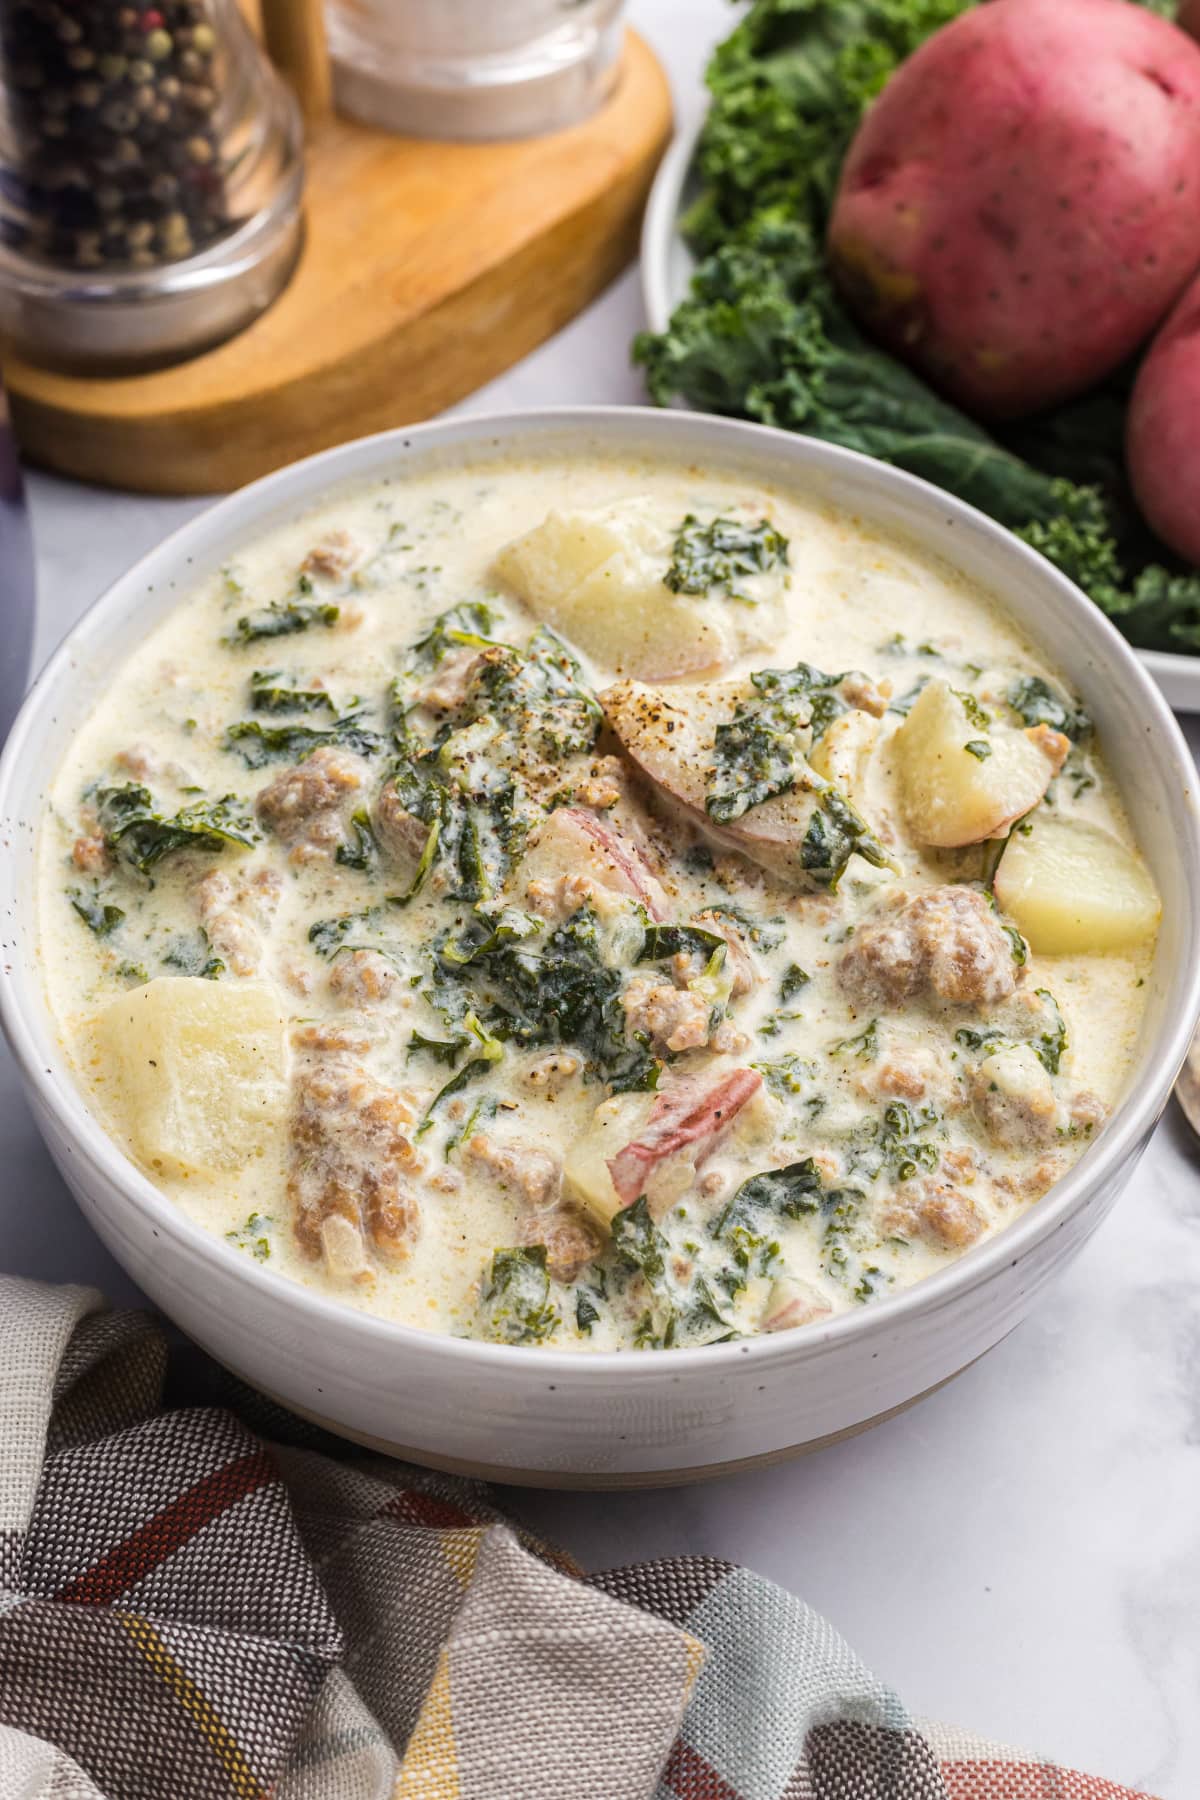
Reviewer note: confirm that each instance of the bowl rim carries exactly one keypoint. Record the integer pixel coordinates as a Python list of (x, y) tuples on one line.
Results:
[(266, 499)]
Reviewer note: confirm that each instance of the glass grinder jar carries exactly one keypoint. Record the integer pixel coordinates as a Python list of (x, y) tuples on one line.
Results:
[(150, 179)]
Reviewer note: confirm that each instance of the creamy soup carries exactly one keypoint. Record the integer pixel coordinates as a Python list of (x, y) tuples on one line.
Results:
[(594, 903)]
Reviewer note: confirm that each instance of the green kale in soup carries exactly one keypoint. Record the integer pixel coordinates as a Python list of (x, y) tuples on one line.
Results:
[(515, 1307), (719, 555), (137, 832)]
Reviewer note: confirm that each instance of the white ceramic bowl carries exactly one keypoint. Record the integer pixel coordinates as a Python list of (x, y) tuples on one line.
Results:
[(603, 1419)]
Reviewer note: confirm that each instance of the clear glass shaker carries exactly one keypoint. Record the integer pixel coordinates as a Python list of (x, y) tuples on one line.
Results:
[(473, 68), (150, 179)]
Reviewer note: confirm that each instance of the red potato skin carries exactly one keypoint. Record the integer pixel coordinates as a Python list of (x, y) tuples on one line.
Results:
[(1021, 206), (1162, 431)]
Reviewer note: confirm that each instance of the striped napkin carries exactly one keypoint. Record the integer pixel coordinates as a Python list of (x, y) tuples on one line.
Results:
[(203, 1598)]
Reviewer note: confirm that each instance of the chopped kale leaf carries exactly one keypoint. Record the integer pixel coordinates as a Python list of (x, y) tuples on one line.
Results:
[(664, 941), (98, 915), (272, 691), (587, 1313), (721, 555), (835, 833), (361, 851), (516, 1307), (258, 744), (554, 988), (283, 618), (191, 954), (142, 836), (1038, 703), (794, 978)]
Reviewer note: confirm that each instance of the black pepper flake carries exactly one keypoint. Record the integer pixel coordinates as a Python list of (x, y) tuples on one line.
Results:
[(114, 155)]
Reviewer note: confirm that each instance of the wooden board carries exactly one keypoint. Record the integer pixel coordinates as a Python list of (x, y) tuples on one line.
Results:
[(428, 268)]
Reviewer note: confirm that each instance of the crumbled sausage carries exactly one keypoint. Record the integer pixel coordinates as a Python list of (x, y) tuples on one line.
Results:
[(402, 834), (671, 1018), (935, 1211), (304, 806), (1087, 1110), (860, 691), (604, 784), (551, 1073), (361, 978), (1052, 744), (569, 1241), (535, 1174), (141, 762), (945, 943), (960, 1165), (1031, 1184), (333, 557), (90, 856), (913, 1072), (560, 898), (451, 681), (336, 1040), (237, 913), (351, 1161), (1014, 1098)]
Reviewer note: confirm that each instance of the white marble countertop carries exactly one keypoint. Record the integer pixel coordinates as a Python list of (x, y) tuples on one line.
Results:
[(1021, 1553)]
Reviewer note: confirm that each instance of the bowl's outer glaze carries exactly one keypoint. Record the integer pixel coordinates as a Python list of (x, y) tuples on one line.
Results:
[(603, 1419)]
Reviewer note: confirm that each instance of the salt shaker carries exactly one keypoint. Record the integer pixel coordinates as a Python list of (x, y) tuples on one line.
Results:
[(474, 69)]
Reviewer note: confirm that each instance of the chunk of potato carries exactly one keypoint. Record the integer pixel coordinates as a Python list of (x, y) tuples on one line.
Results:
[(1072, 887), (586, 1175), (962, 781), (597, 577), (844, 753), (199, 1070)]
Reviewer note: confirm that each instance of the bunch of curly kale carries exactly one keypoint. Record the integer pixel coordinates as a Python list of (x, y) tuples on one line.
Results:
[(763, 335)]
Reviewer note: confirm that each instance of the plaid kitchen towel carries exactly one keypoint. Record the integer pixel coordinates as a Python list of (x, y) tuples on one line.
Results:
[(202, 1598)]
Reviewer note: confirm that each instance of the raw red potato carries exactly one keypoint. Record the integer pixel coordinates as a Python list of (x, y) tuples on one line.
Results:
[(1162, 443), (1021, 205)]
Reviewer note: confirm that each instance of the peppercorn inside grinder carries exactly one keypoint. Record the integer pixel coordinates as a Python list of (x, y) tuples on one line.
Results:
[(150, 180)]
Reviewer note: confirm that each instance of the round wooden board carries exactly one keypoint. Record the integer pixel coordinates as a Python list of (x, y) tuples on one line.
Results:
[(428, 268)]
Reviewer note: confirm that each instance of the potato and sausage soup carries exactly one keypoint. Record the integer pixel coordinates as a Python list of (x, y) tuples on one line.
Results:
[(594, 903)]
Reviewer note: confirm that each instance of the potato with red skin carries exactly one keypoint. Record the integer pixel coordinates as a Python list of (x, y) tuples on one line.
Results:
[(1162, 431), (1021, 206)]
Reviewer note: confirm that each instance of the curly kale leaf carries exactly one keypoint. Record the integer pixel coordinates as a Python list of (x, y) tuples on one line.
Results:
[(137, 832)]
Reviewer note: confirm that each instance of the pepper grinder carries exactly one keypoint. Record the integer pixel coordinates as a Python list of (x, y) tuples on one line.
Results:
[(150, 180)]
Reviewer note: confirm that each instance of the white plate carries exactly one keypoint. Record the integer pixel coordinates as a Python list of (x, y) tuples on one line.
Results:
[(667, 266)]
